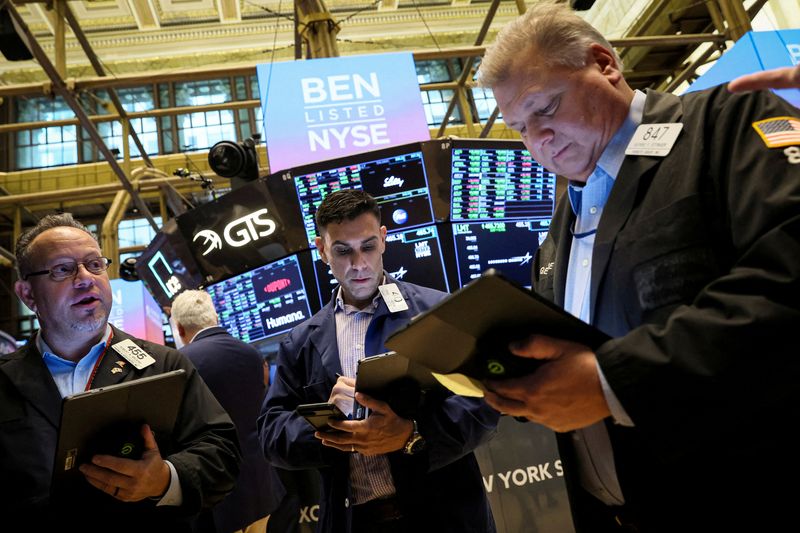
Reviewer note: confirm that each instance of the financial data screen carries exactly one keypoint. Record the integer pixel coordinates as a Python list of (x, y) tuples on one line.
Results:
[(397, 182), (507, 246), (262, 302), (492, 183)]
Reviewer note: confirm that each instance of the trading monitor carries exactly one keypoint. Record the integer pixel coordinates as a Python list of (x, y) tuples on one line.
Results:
[(498, 180), (395, 177), (263, 302), (413, 255), (507, 246)]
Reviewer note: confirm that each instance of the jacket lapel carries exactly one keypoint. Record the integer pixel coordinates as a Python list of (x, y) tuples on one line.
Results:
[(658, 108), (27, 371), (323, 340), (113, 368)]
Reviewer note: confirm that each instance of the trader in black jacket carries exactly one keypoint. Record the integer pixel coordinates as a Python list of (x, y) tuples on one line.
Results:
[(233, 370), (63, 279), (679, 236)]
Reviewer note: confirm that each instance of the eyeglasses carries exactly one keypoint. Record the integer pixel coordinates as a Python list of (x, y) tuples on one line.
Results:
[(63, 271)]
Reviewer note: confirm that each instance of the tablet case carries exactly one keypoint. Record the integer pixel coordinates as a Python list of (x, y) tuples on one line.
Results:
[(468, 332), (393, 379), (108, 420)]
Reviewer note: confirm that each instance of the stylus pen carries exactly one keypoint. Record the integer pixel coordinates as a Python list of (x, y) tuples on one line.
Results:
[(359, 411)]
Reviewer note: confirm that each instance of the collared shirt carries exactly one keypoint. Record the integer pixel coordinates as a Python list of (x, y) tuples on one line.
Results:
[(593, 446), (72, 378), (370, 477)]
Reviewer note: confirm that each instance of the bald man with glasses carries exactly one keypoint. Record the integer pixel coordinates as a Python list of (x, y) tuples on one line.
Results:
[(63, 279)]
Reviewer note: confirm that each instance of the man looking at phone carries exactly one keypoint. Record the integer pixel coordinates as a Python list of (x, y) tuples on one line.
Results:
[(386, 473)]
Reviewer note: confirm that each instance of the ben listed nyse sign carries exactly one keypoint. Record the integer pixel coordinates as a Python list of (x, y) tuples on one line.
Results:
[(327, 108)]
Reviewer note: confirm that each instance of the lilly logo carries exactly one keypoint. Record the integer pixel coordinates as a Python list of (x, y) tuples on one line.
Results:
[(240, 232), (211, 239), (393, 181)]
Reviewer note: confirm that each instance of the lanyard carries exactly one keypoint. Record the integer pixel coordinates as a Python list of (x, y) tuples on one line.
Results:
[(99, 360)]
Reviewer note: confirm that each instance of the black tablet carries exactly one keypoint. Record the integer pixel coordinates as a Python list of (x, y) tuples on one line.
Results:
[(108, 421), (317, 414), (468, 332)]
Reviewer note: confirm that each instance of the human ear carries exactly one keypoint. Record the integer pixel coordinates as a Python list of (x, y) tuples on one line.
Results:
[(24, 291), (605, 61), (319, 242)]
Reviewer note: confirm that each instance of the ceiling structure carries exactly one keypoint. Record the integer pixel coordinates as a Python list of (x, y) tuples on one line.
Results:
[(139, 36), (103, 43)]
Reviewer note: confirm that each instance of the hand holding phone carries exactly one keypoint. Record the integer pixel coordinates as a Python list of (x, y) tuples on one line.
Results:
[(317, 414)]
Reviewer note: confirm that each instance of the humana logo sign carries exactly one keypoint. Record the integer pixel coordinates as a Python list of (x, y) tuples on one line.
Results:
[(240, 232), (273, 323)]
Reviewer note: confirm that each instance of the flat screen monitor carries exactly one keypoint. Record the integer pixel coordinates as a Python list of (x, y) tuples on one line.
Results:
[(413, 255), (263, 302), (395, 177), (507, 246), (498, 180)]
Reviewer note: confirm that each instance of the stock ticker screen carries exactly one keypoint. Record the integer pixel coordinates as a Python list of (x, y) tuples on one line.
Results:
[(498, 183), (394, 177), (502, 201), (507, 246), (263, 302)]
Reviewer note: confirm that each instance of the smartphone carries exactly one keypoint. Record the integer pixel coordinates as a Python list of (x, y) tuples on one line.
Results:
[(318, 414)]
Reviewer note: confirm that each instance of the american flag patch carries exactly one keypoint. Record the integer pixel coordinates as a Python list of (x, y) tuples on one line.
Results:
[(779, 131)]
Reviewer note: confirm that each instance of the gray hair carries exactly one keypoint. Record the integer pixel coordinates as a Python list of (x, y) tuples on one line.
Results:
[(559, 36), (23, 249), (194, 310)]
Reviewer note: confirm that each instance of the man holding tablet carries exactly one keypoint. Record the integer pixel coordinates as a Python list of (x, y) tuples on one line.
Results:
[(63, 279), (385, 473)]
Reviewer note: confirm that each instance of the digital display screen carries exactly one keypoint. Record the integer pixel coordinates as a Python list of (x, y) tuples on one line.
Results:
[(507, 246), (263, 302), (396, 180), (243, 229), (166, 266), (500, 182), (414, 256)]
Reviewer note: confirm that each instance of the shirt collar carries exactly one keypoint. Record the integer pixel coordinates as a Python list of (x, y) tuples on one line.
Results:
[(347, 308), (614, 154), (44, 348)]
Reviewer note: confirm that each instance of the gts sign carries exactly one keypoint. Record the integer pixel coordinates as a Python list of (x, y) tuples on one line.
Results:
[(239, 232)]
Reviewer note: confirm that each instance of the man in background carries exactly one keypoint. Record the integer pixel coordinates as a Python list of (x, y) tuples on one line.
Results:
[(63, 279), (388, 473), (233, 370), (679, 238)]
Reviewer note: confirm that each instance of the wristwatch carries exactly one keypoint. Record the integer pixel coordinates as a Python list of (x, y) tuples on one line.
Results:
[(415, 442)]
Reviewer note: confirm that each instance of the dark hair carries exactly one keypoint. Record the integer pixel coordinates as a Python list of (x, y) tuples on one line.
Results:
[(23, 248), (346, 204)]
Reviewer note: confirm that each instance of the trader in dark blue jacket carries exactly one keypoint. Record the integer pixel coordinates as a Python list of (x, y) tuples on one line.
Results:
[(233, 370), (387, 473)]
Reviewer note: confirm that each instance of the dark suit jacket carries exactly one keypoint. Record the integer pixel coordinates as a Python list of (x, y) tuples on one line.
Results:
[(695, 270), (202, 447), (233, 371), (440, 488)]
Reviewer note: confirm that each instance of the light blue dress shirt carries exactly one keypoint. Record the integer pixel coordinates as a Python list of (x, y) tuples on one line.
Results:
[(597, 471)]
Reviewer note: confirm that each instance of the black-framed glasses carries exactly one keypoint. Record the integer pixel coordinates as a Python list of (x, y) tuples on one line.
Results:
[(67, 270)]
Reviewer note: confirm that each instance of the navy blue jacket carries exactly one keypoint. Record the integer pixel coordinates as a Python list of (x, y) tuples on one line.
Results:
[(440, 488), (233, 371)]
